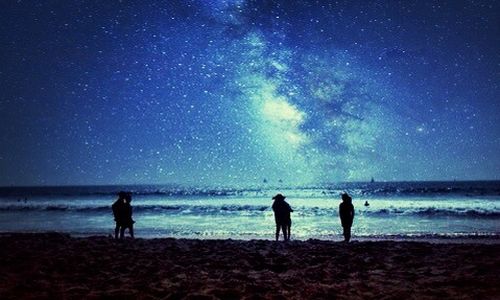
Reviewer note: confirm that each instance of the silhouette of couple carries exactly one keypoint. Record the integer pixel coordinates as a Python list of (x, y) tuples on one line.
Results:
[(283, 220), (122, 211)]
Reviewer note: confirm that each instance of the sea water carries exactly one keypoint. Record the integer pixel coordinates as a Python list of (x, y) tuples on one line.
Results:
[(396, 209)]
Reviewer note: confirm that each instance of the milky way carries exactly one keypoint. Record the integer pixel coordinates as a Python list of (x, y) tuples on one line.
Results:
[(312, 118), (238, 92)]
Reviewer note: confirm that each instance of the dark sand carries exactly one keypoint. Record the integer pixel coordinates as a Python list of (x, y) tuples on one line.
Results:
[(55, 266)]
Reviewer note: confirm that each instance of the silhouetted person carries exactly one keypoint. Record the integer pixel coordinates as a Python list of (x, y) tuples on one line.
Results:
[(366, 203), (282, 212), (117, 208), (128, 221), (122, 211), (346, 213)]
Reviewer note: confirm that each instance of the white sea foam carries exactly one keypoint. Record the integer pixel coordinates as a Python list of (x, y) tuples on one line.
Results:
[(421, 209)]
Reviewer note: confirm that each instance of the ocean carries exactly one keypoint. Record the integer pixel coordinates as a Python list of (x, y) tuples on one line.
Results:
[(396, 210)]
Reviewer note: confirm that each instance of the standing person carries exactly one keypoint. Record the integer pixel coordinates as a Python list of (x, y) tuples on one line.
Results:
[(122, 211), (282, 217), (117, 208), (346, 213), (127, 220)]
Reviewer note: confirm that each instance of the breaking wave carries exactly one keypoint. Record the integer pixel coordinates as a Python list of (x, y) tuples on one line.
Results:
[(259, 209)]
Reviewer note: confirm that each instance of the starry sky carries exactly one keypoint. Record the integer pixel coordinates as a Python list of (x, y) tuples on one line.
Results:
[(232, 92)]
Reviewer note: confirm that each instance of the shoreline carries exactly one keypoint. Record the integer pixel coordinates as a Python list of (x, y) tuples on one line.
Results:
[(58, 266), (435, 239)]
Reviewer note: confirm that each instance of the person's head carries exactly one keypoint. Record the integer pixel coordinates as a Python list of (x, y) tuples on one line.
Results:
[(122, 195), (346, 197), (128, 197), (279, 197)]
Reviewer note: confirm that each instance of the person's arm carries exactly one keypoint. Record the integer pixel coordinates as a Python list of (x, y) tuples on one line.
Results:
[(114, 208)]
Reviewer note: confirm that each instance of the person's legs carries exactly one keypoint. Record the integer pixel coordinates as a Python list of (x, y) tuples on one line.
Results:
[(347, 234), (289, 229), (278, 226), (284, 230), (131, 230), (117, 230), (122, 232)]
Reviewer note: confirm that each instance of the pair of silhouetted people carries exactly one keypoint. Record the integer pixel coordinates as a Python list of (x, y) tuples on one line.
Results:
[(346, 214), (283, 220), (122, 211), (282, 217)]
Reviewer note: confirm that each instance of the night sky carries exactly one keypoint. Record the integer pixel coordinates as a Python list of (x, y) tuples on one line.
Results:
[(210, 93)]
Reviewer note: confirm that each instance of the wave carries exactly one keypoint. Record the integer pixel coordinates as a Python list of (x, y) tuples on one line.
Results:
[(472, 188), (430, 237), (259, 209), (422, 212), (435, 212), (193, 209)]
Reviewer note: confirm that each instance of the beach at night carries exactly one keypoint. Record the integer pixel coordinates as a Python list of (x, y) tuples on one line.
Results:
[(56, 266), (250, 149)]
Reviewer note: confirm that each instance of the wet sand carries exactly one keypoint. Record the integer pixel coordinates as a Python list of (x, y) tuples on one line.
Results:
[(57, 266)]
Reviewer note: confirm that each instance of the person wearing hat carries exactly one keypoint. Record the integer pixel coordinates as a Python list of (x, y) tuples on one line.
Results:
[(282, 217), (346, 214)]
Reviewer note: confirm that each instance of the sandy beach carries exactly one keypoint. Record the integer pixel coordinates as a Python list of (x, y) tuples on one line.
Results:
[(57, 266)]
